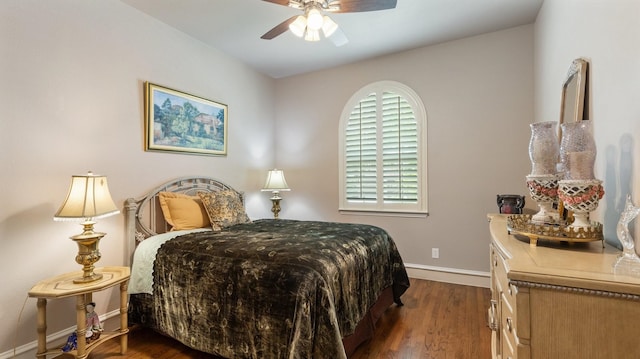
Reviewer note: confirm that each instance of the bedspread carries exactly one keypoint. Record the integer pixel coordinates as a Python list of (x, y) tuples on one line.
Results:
[(271, 288)]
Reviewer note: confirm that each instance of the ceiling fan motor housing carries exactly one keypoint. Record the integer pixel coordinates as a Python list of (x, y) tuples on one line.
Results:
[(322, 4)]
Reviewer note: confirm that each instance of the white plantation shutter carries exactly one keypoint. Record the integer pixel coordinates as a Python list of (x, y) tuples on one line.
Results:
[(383, 137), (361, 151), (399, 150)]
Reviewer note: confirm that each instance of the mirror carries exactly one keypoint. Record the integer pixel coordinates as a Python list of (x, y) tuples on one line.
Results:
[(572, 105), (573, 92)]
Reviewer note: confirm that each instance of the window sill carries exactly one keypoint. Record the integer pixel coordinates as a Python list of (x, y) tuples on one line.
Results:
[(360, 212)]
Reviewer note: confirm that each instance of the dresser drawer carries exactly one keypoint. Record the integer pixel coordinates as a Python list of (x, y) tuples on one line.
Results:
[(507, 330), (503, 307), (500, 271)]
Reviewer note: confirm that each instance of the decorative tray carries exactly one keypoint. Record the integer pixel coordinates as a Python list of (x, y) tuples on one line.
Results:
[(521, 224)]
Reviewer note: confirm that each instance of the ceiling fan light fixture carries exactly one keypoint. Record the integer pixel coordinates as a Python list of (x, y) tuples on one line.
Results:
[(298, 26), (308, 26), (314, 19), (328, 26), (312, 35)]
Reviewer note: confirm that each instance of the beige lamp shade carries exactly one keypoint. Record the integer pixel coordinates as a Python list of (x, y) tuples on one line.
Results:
[(88, 197), (276, 182)]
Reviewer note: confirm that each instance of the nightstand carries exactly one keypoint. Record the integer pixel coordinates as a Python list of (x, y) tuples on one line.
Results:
[(62, 286)]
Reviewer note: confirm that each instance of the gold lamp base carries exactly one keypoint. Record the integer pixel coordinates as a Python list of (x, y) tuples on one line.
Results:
[(88, 252), (276, 206)]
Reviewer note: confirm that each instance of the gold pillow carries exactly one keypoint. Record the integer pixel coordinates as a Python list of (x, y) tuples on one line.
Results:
[(225, 208), (182, 211)]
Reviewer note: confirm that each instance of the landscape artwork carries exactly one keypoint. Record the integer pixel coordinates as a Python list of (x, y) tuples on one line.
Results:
[(179, 122)]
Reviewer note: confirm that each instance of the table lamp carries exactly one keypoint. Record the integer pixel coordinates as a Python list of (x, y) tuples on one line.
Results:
[(88, 199), (276, 183)]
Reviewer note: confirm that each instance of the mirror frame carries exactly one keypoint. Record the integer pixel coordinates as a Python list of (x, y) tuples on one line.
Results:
[(575, 83)]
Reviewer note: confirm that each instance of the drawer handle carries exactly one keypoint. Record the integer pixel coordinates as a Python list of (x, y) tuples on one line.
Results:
[(509, 324), (492, 323)]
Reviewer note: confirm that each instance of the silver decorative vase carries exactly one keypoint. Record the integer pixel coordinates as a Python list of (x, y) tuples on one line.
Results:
[(577, 151), (543, 147)]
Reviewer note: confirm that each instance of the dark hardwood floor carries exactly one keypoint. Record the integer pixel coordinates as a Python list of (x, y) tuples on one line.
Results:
[(438, 321)]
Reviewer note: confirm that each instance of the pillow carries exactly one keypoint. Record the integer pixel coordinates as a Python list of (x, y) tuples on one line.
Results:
[(182, 211), (225, 208)]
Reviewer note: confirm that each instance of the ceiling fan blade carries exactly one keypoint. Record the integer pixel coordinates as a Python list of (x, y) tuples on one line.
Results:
[(361, 5), (278, 29), (279, 2), (338, 38)]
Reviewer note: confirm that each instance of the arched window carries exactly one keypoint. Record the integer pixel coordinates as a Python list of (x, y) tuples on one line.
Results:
[(383, 157)]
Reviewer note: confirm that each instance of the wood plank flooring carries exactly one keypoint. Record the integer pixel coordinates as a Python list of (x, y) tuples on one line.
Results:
[(438, 321)]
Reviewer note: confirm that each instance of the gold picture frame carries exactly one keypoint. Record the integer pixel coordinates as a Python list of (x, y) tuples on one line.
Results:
[(179, 122)]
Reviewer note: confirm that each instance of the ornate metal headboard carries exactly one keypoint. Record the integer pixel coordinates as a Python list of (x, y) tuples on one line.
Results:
[(143, 216)]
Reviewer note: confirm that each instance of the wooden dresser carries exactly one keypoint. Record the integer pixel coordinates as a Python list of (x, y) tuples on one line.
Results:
[(560, 300)]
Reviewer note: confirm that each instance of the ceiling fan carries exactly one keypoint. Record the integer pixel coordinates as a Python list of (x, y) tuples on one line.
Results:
[(313, 21)]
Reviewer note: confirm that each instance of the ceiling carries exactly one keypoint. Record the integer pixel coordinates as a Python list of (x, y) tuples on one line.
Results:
[(235, 27)]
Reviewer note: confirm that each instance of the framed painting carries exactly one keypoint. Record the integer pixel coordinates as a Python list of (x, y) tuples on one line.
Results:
[(179, 122)]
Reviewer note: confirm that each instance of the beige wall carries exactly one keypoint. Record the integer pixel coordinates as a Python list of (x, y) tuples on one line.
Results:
[(607, 33), (478, 94), (71, 100)]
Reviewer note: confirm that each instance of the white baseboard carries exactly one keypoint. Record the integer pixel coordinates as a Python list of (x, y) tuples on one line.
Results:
[(29, 350), (449, 275)]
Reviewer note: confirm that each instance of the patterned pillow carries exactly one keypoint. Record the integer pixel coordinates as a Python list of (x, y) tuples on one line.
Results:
[(225, 208), (182, 211)]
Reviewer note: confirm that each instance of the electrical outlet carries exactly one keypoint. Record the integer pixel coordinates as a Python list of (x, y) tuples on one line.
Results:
[(435, 252)]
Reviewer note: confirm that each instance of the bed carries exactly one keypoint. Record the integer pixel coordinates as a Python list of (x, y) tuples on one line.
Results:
[(269, 288)]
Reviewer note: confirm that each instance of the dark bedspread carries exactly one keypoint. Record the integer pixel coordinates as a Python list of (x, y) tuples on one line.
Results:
[(271, 288)]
